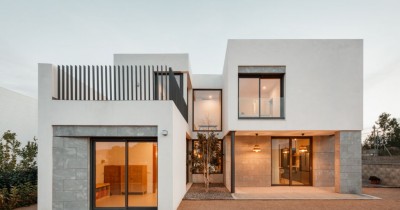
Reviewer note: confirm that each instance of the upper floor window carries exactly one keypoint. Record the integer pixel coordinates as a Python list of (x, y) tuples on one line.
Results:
[(261, 96), (207, 111)]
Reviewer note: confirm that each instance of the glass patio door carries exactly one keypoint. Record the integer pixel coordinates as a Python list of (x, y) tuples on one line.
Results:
[(124, 174), (291, 161)]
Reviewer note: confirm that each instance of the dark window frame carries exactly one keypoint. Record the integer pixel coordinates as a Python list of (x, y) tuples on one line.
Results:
[(259, 76), (290, 138), (127, 140), (222, 157), (200, 89)]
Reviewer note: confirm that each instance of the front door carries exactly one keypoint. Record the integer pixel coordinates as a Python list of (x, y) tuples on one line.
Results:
[(291, 161), (124, 174)]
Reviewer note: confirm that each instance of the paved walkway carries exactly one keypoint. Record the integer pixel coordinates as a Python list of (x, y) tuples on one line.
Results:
[(297, 192), (390, 199)]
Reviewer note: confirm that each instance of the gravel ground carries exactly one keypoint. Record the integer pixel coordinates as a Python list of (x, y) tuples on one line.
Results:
[(216, 192), (390, 200)]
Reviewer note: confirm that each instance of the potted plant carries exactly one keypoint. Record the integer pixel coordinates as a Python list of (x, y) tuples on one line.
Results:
[(374, 180)]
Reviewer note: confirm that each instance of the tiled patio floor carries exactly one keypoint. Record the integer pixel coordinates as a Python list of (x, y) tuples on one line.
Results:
[(297, 192), (390, 201)]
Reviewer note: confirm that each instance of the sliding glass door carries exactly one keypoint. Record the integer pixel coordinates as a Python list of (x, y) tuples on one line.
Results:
[(291, 161), (124, 174)]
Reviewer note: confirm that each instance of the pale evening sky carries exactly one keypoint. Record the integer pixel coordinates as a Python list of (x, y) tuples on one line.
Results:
[(90, 32)]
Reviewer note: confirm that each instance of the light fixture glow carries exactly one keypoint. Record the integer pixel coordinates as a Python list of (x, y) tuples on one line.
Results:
[(257, 147), (264, 87), (302, 149), (285, 150), (210, 96)]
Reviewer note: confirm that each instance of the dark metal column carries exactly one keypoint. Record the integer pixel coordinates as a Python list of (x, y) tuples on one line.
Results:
[(232, 161)]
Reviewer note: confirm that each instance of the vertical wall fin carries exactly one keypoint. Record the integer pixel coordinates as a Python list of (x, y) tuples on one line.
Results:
[(144, 83), (131, 70), (80, 82), (76, 83), (123, 82)]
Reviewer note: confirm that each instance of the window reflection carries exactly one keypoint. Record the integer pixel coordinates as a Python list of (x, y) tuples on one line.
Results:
[(111, 188), (260, 97), (207, 110)]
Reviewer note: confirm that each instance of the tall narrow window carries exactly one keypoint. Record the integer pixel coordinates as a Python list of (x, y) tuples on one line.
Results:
[(207, 110), (261, 96)]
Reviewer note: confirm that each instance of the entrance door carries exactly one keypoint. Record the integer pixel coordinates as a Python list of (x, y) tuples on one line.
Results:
[(124, 174), (291, 161)]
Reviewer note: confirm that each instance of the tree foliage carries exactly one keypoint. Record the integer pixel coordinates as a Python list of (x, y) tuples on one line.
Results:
[(208, 155), (18, 172), (385, 133)]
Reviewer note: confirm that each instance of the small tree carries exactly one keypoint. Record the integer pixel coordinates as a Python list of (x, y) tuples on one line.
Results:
[(385, 133), (18, 172), (208, 156)]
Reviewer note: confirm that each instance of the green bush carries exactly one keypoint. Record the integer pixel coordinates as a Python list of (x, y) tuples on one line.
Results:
[(18, 172)]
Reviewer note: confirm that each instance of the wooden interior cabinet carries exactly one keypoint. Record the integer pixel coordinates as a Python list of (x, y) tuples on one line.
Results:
[(137, 179), (112, 175)]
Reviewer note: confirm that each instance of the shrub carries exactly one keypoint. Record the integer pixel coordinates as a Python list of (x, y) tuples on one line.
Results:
[(18, 172)]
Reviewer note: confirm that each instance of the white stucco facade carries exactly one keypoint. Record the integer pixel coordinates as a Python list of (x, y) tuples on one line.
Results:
[(323, 82)]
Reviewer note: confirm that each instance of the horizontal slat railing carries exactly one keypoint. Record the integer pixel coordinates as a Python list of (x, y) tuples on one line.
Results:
[(119, 83)]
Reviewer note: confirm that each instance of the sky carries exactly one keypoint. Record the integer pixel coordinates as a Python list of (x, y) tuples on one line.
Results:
[(90, 32)]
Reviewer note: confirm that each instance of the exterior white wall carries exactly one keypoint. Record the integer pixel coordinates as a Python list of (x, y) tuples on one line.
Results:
[(323, 83), (179, 157), (18, 113), (207, 81), (163, 114)]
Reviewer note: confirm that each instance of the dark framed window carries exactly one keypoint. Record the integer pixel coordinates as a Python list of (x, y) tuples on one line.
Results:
[(261, 96), (291, 160), (207, 109), (114, 160), (216, 161)]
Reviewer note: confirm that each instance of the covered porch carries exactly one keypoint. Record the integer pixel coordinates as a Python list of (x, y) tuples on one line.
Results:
[(318, 162)]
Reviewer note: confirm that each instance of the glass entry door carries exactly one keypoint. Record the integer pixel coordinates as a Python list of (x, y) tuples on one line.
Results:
[(291, 161), (124, 174)]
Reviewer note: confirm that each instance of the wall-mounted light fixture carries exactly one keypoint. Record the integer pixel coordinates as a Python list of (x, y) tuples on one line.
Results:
[(257, 147), (164, 132)]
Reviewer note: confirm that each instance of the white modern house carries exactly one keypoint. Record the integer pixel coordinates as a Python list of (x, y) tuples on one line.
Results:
[(287, 112), (19, 114)]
